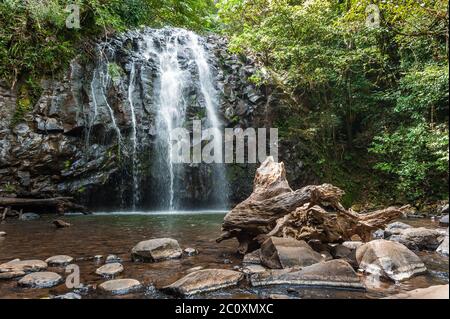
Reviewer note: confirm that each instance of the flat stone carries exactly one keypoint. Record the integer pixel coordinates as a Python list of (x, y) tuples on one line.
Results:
[(253, 269), (333, 273), (389, 259), (279, 253), (109, 270), (420, 238), (23, 265), (156, 249), (252, 258), (11, 274), (203, 281), (59, 260), (29, 216), (191, 251), (40, 280), (120, 286), (433, 292), (69, 296)]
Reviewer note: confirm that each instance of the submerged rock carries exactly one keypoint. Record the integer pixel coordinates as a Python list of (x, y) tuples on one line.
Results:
[(156, 249), (29, 216), (389, 259), (204, 281), (40, 280), (69, 295), (279, 253), (433, 292), (60, 260), (109, 270), (23, 265), (333, 273), (419, 238), (120, 286)]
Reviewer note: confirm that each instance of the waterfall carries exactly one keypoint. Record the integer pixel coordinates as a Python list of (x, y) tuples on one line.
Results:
[(168, 81)]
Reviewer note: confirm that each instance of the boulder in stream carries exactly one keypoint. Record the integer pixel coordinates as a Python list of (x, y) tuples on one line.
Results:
[(204, 281), (44, 279), (333, 273), (2, 234), (120, 286), (389, 260), (109, 270), (443, 247), (420, 238), (59, 260), (23, 266), (277, 253), (156, 250)]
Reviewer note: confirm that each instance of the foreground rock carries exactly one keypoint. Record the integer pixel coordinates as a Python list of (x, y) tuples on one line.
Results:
[(433, 292), (419, 238), (156, 250), (120, 286), (40, 280), (443, 247), (109, 270), (23, 266), (59, 260), (277, 253), (389, 260), (333, 273), (204, 281)]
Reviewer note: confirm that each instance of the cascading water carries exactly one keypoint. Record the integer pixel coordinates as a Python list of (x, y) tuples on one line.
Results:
[(169, 83)]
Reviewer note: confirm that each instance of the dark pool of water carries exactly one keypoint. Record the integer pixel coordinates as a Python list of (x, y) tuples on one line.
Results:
[(117, 234)]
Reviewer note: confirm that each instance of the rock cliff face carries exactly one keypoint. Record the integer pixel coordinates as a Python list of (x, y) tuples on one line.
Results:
[(93, 132)]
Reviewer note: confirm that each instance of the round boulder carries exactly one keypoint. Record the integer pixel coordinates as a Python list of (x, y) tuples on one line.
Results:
[(41, 280), (120, 286), (59, 260), (109, 270), (156, 250), (23, 265)]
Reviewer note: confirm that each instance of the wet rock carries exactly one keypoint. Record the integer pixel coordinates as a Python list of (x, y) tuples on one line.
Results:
[(444, 220), (191, 251), (109, 270), (352, 245), (69, 295), (433, 292), (419, 238), (120, 286), (252, 258), (2, 234), (345, 253), (203, 281), (443, 247), (389, 260), (40, 280), (23, 265), (279, 253), (156, 249), (333, 273), (29, 216), (11, 274), (112, 259), (253, 269), (395, 228), (61, 224), (60, 260)]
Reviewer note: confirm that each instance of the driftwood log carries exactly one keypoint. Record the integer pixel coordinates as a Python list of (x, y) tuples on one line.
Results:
[(312, 212), (59, 204)]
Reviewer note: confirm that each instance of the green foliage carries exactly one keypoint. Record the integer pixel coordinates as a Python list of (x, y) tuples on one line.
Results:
[(350, 87), (34, 39)]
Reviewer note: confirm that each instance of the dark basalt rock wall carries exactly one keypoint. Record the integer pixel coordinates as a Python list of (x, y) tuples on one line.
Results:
[(57, 149)]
